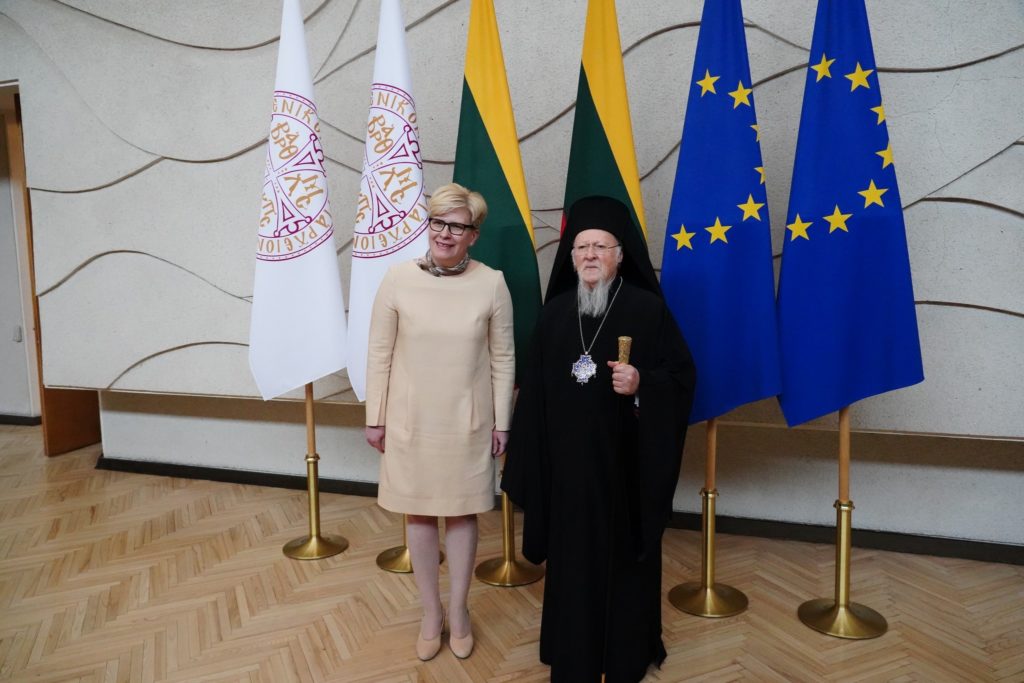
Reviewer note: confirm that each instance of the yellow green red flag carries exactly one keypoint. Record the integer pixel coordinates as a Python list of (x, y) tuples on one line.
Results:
[(602, 159), (487, 160)]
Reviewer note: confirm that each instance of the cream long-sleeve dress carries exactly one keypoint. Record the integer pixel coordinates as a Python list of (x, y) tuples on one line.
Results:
[(440, 374)]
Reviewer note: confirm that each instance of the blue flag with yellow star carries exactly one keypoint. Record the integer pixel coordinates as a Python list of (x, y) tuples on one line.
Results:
[(847, 324), (717, 263)]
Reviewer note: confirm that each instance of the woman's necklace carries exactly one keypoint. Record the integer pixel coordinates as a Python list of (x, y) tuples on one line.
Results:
[(585, 368)]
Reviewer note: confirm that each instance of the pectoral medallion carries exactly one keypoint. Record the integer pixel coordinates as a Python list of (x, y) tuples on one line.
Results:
[(584, 369)]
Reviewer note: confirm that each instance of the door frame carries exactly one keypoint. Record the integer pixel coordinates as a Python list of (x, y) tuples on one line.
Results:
[(70, 417)]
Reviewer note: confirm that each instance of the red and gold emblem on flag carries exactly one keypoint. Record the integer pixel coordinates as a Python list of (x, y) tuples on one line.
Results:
[(391, 209), (295, 217), (298, 331)]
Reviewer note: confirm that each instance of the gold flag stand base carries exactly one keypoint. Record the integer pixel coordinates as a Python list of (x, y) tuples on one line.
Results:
[(707, 598), (854, 621), (506, 571), (313, 546), (839, 617), (707, 601), (395, 560), (398, 560)]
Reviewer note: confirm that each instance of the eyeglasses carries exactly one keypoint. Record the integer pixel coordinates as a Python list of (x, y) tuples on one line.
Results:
[(456, 229), (599, 249)]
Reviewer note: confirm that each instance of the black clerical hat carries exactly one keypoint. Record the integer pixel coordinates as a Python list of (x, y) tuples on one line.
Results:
[(611, 215)]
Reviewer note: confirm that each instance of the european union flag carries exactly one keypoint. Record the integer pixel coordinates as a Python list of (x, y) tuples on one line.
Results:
[(847, 324), (717, 263)]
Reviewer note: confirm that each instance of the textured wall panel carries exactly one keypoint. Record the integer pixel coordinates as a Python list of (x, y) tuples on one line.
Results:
[(185, 370), (969, 254), (927, 35), (168, 99), (998, 182), (945, 123), (972, 367), (195, 216), (144, 127), (128, 307), (56, 120), (221, 24)]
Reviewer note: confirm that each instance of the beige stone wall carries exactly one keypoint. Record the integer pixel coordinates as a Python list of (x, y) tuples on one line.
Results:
[(144, 126)]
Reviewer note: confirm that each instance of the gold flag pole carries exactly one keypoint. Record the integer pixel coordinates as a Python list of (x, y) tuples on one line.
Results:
[(314, 546), (707, 598), (398, 559), (506, 571), (839, 617)]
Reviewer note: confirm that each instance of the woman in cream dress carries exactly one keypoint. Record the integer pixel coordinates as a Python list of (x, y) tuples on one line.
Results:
[(440, 373)]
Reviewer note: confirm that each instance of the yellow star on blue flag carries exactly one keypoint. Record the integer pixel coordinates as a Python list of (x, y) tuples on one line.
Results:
[(847, 323), (720, 288)]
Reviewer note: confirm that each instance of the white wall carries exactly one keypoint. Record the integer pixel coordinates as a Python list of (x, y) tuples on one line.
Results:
[(235, 434)]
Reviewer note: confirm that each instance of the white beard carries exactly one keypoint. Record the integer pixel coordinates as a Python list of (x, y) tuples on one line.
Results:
[(593, 302)]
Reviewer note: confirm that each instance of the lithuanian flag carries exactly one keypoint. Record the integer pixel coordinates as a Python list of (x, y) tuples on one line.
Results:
[(487, 160), (602, 159)]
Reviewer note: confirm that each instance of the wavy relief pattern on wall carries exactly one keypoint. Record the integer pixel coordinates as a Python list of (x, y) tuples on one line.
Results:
[(145, 157)]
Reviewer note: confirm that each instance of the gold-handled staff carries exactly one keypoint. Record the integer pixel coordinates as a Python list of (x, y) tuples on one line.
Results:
[(707, 598), (314, 546), (625, 344), (839, 617)]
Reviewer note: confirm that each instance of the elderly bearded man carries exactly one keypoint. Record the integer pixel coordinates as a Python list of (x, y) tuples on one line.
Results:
[(595, 448)]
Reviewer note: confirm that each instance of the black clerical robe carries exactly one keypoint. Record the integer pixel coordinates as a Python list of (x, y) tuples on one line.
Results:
[(595, 473)]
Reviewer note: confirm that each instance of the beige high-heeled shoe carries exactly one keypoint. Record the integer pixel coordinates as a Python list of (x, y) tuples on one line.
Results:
[(427, 649), (461, 647)]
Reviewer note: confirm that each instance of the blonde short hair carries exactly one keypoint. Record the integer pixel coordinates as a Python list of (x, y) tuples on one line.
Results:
[(454, 196)]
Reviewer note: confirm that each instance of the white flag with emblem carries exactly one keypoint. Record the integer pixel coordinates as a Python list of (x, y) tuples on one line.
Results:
[(391, 212), (297, 333)]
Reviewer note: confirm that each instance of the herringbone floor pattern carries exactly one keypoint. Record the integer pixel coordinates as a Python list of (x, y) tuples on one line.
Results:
[(108, 577)]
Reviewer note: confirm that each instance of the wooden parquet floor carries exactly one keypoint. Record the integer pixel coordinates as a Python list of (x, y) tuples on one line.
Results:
[(108, 577)]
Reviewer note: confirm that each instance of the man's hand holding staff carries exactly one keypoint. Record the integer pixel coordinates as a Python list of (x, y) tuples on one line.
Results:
[(625, 378)]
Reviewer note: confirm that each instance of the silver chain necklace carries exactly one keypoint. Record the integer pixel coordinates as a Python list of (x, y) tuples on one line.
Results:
[(585, 368)]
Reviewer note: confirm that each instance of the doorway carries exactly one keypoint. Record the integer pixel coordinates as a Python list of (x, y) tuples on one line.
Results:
[(70, 417)]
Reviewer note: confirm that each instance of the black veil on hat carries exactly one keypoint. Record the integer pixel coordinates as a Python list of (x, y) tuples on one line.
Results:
[(611, 215)]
